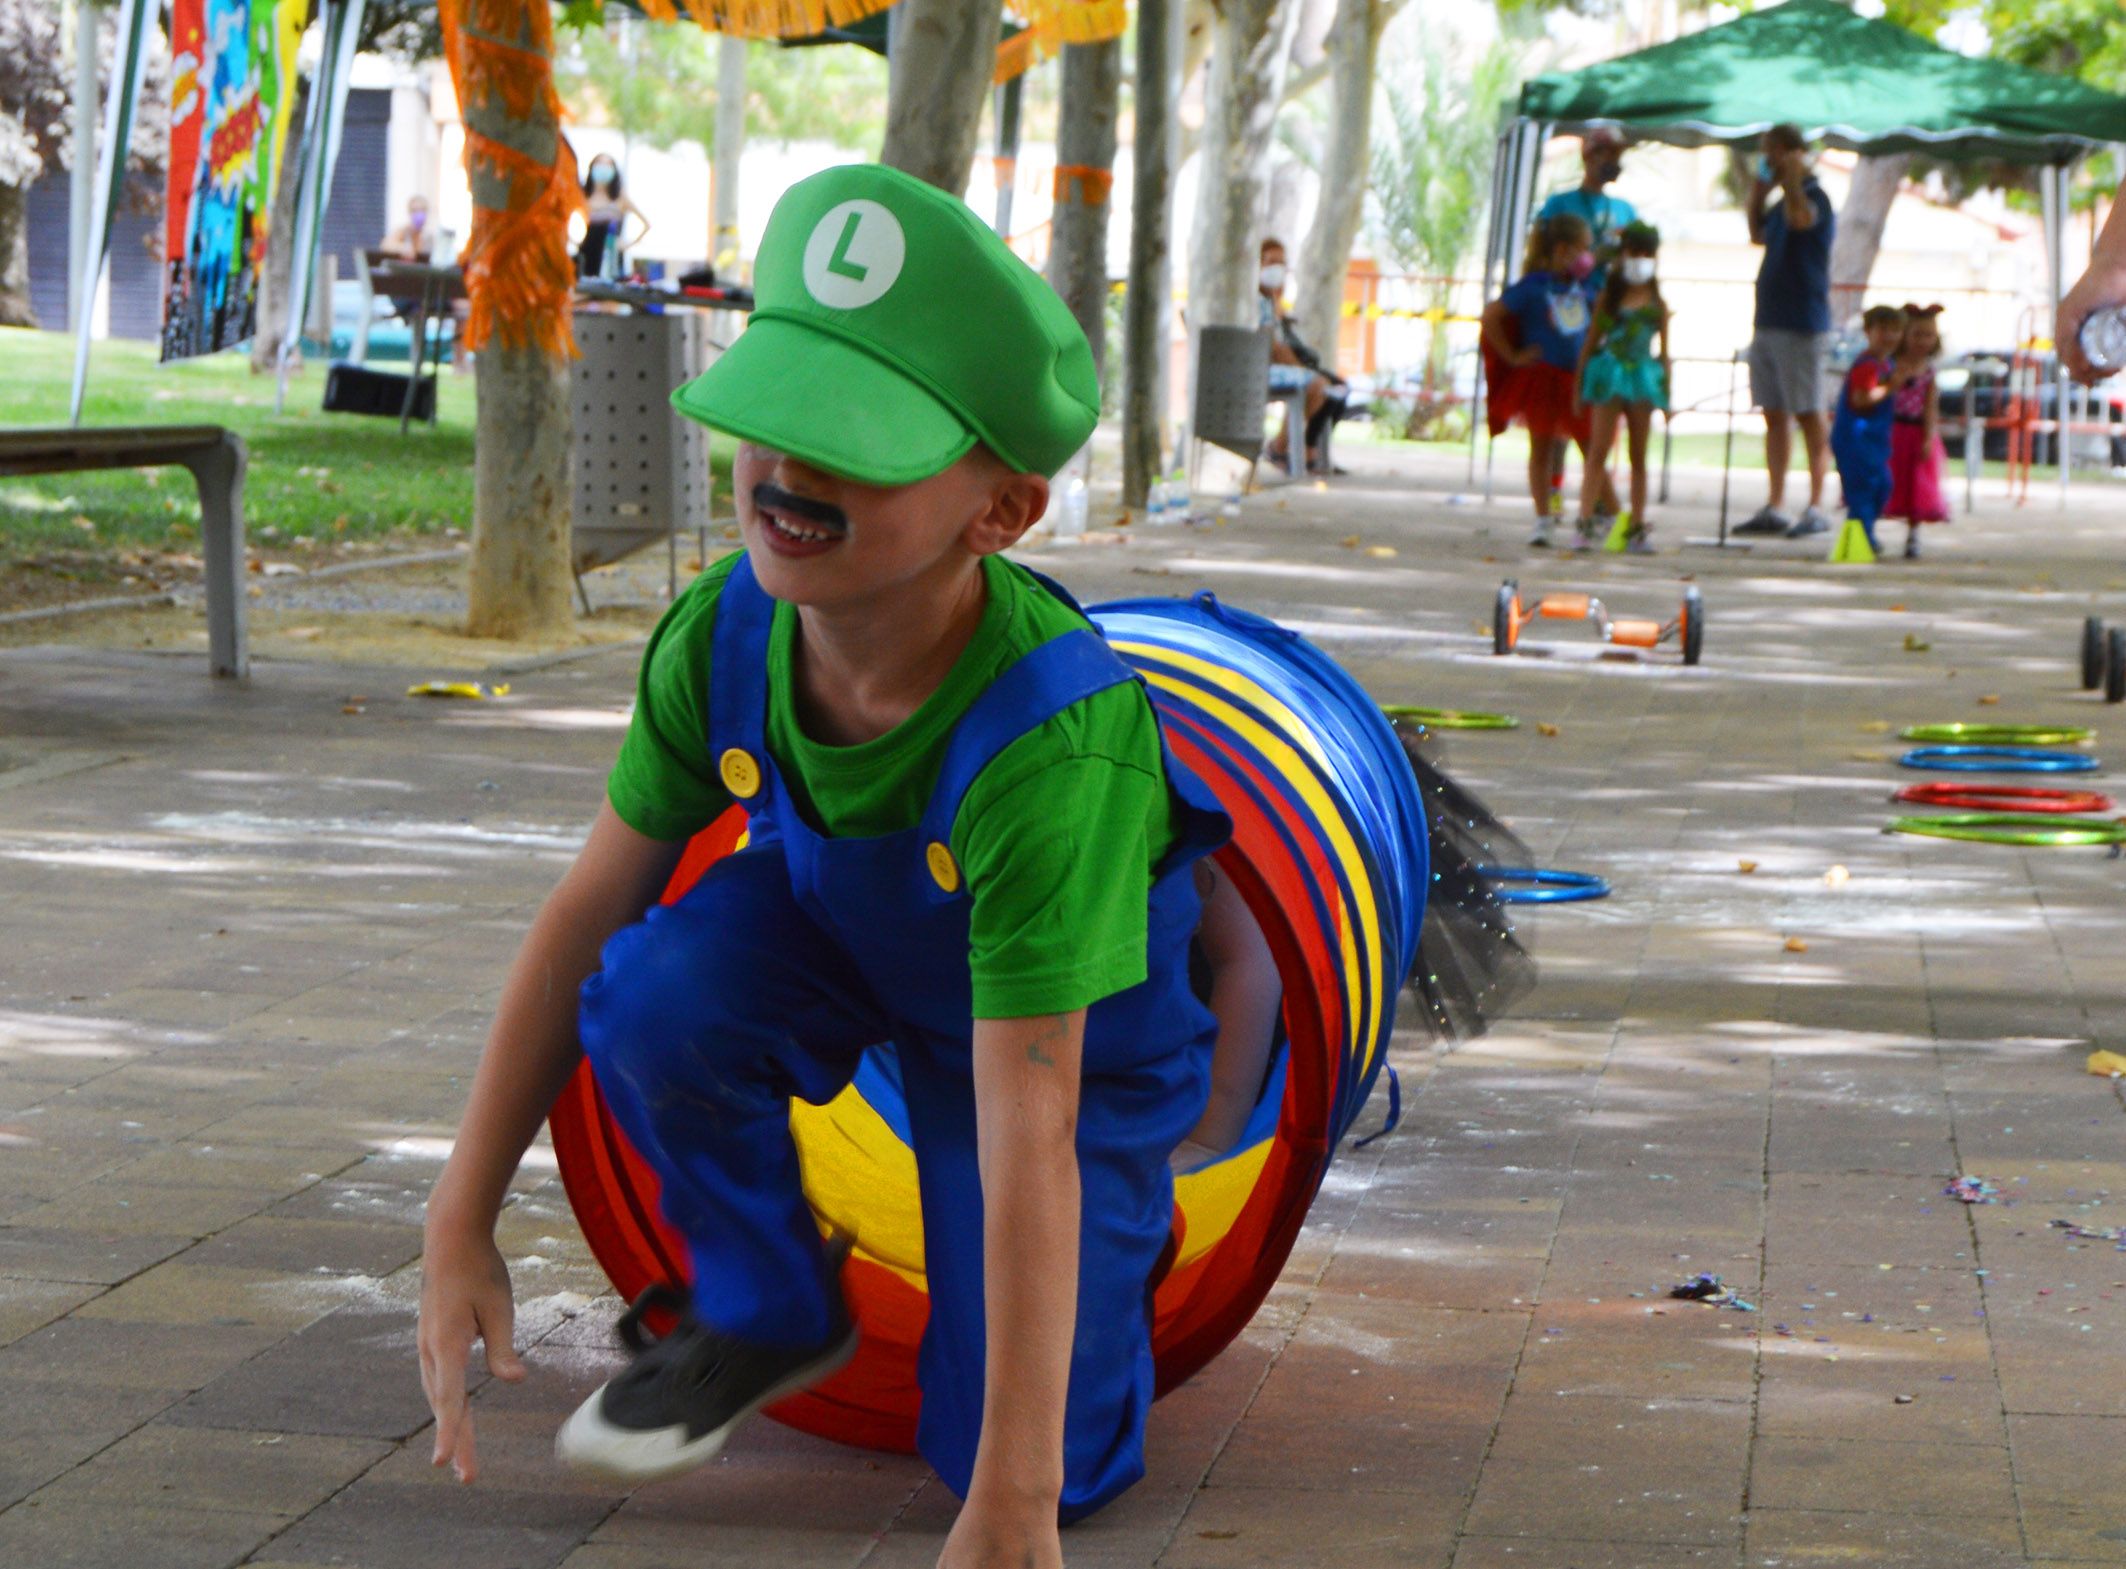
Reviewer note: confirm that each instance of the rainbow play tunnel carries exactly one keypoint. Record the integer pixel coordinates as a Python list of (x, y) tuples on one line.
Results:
[(1329, 849)]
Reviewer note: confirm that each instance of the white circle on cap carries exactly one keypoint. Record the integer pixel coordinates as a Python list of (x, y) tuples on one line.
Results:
[(854, 254)]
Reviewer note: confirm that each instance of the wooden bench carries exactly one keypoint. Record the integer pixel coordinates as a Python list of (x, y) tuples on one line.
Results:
[(216, 459)]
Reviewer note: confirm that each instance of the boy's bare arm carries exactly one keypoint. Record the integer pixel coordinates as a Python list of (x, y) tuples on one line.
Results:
[(530, 1053), (1026, 1082)]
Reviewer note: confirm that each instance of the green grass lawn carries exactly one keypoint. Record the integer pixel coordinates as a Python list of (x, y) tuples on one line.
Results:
[(311, 475)]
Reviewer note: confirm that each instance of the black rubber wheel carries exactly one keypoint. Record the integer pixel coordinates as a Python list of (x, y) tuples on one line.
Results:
[(1693, 628), (1503, 635), (2093, 662), (2115, 665)]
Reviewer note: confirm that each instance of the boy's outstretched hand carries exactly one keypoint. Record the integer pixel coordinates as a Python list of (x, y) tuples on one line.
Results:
[(464, 1293)]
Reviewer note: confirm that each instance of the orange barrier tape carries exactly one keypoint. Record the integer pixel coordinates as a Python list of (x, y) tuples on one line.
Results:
[(1093, 184)]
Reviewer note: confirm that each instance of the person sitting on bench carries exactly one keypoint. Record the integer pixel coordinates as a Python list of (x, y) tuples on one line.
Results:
[(1295, 367)]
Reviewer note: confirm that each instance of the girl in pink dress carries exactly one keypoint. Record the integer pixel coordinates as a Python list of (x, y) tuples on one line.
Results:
[(1915, 429)]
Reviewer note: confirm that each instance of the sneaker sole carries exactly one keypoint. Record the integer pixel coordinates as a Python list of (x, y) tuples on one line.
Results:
[(587, 1442)]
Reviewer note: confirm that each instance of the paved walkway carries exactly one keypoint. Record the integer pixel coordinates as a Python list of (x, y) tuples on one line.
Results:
[(251, 940)]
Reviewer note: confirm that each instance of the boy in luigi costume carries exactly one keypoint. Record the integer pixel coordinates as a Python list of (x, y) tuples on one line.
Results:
[(967, 839)]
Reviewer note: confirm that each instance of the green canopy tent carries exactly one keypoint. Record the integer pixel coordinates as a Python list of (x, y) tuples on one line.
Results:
[(1865, 85)]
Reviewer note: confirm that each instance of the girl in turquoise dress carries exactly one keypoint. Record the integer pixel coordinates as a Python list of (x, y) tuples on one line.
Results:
[(1624, 375)]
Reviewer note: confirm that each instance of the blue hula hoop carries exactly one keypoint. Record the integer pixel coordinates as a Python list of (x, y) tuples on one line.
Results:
[(1544, 886), (1999, 760)]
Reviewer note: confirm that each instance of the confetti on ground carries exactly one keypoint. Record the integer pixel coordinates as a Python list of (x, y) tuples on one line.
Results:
[(1971, 1190), (1712, 1291), (2116, 1235)]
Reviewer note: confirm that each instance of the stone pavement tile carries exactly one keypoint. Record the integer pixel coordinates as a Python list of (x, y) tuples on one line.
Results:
[(179, 1468), (82, 1257), (330, 1129), (351, 1374), (127, 1354), (304, 1247), (237, 1165), (394, 1525), (760, 1500), (31, 1304), (1541, 1427), (112, 1206), (1782, 1538), (181, 1292), (1860, 1400), (54, 1427), (98, 1533), (1522, 1552), (1248, 1527), (2093, 1535), (1790, 1472), (2068, 1463), (792, 1549), (373, 1191), (1435, 1272), (1668, 1499), (1825, 1218), (1617, 1348), (2051, 1368)]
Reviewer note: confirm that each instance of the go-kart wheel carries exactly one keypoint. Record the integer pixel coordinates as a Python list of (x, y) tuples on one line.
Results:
[(1693, 627), (2115, 665), (1504, 632), (2093, 661)]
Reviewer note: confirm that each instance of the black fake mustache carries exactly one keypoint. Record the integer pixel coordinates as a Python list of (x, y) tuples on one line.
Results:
[(771, 497)]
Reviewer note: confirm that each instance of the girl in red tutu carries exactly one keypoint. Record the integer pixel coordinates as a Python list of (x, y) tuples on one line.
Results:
[(1915, 430), (1532, 338)]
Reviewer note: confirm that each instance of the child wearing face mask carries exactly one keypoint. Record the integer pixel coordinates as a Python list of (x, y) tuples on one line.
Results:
[(1533, 334), (1915, 429), (1624, 376), (607, 210), (1860, 432)]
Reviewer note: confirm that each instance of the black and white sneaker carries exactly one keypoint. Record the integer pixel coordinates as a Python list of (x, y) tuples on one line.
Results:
[(681, 1399), (1765, 520)]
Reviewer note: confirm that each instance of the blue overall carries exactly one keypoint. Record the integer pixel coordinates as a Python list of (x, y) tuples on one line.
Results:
[(1860, 445), (789, 959)]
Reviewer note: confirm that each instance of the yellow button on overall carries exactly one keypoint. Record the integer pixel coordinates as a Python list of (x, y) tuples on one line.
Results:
[(943, 867), (741, 775)]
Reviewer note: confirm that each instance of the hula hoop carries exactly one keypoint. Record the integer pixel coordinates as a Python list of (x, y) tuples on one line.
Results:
[(1999, 735), (1545, 886), (2026, 799), (1450, 718), (1998, 760), (2013, 828)]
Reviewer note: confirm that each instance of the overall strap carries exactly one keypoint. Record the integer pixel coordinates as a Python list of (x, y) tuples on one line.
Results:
[(738, 686), (1045, 681)]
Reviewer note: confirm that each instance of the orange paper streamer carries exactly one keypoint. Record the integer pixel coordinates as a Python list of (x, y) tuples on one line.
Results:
[(519, 279)]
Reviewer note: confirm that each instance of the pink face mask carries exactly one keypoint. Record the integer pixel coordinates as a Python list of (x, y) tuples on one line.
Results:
[(1582, 265)]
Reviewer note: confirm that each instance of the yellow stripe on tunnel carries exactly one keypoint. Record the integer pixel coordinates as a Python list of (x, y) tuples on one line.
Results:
[(860, 1180)]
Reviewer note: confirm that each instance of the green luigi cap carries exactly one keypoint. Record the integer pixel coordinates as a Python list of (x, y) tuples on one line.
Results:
[(892, 330)]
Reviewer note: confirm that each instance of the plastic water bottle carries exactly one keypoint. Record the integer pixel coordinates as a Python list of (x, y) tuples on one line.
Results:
[(2103, 338), (1070, 518), (1155, 512), (1229, 507), (1179, 506)]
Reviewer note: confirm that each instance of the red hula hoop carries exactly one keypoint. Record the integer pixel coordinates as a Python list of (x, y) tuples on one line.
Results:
[(2005, 798)]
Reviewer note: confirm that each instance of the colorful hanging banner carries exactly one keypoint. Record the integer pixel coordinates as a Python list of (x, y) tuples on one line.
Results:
[(232, 95)]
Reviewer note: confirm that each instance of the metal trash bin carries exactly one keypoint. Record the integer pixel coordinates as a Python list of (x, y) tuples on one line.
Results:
[(641, 471)]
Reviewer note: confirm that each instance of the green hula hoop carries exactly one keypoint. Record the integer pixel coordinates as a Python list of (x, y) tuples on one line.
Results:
[(1999, 735), (2014, 828), (1450, 718)]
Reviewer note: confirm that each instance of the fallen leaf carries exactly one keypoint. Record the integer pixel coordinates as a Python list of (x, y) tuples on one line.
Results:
[(1897, 610), (1837, 877), (1381, 551), (2107, 1064), (1796, 945), (1545, 729), (1745, 867), (351, 708), (1349, 542), (1989, 700), (304, 634), (1877, 727), (1915, 644)]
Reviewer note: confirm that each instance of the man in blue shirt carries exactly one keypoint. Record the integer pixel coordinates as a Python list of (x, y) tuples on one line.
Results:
[(1791, 218), (1606, 216)]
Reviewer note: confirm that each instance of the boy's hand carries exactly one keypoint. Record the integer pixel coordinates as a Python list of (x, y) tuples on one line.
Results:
[(464, 1292), (1528, 354), (1004, 1536)]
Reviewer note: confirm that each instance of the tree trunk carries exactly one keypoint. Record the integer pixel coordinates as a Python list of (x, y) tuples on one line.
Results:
[(276, 278), (1240, 110), (1145, 320), (517, 582), (1085, 140), (724, 238), (1859, 235), (942, 58), (15, 258), (1354, 57)]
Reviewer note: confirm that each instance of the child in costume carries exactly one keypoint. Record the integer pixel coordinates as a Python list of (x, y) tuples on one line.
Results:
[(1624, 374), (1860, 431), (1915, 429), (1533, 334), (967, 838)]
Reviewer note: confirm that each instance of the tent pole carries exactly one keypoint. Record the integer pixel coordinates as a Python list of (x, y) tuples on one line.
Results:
[(2053, 184), (1480, 391), (314, 165), (136, 17), (81, 192)]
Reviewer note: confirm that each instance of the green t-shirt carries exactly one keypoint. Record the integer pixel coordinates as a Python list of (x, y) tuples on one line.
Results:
[(1056, 838)]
